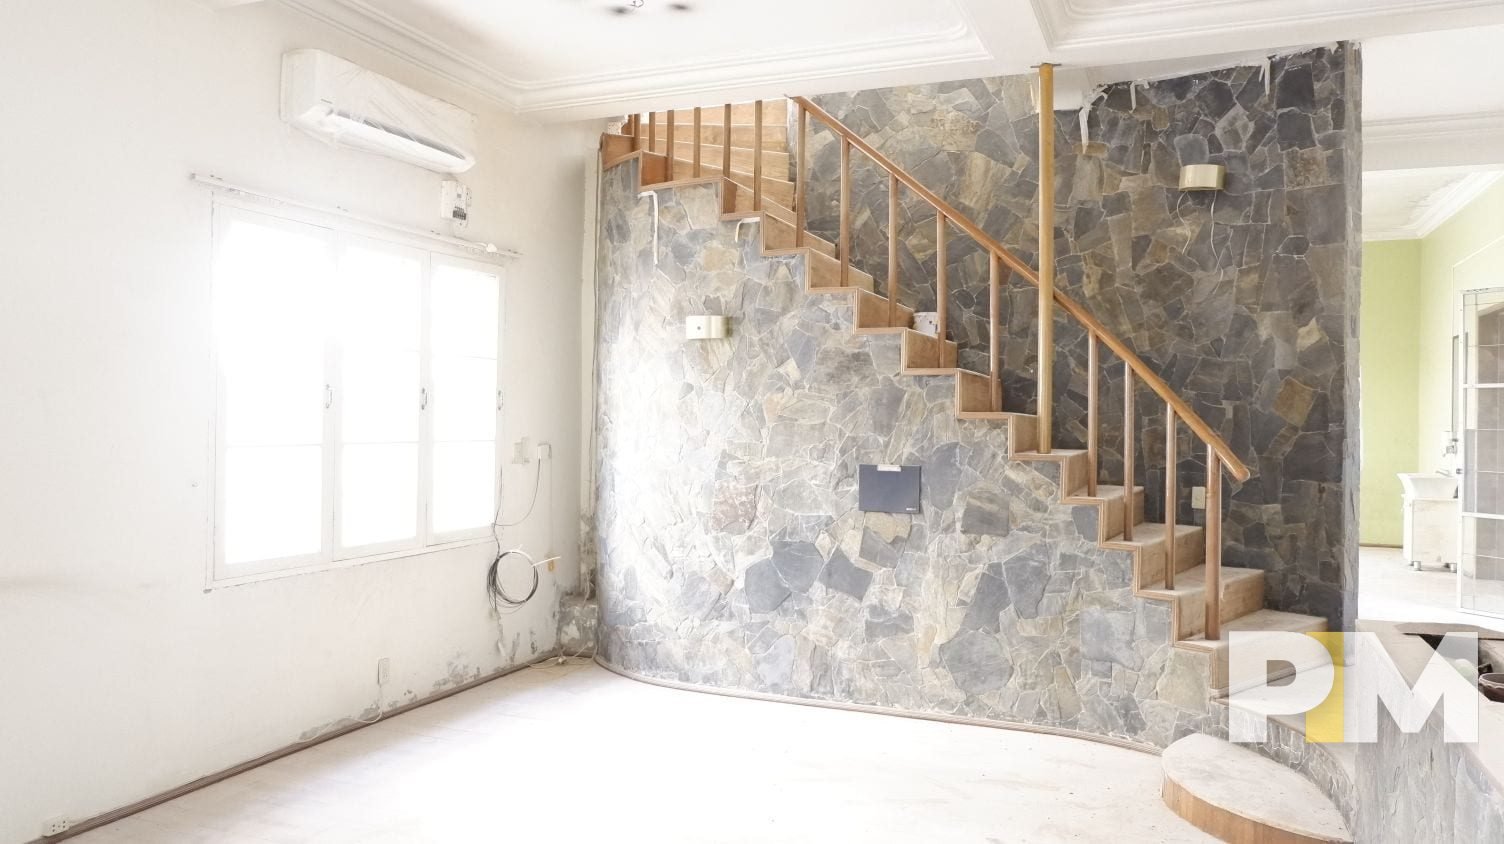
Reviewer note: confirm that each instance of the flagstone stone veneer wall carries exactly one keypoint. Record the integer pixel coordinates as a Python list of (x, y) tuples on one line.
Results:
[(1245, 300), (730, 549)]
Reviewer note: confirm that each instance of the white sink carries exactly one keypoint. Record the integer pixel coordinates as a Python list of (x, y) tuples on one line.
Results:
[(1428, 485)]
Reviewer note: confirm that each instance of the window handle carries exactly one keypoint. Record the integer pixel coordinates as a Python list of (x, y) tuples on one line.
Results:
[(422, 398), (328, 396)]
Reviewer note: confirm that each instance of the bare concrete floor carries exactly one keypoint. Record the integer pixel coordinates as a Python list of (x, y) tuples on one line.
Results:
[(1389, 590), (575, 753)]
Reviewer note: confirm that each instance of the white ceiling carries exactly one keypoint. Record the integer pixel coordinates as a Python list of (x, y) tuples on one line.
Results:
[(1433, 69), (568, 59)]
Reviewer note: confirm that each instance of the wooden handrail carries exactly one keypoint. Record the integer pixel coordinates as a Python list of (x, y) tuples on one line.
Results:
[(1093, 326)]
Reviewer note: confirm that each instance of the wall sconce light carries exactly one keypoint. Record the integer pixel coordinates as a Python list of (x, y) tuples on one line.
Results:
[(705, 327), (1202, 176)]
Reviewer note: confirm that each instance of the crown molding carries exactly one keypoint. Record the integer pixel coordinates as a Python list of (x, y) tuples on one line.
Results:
[(1438, 208), (1072, 24), (1447, 140), (957, 51)]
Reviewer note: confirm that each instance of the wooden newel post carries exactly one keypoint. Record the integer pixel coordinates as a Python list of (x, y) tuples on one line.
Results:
[(1046, 254)]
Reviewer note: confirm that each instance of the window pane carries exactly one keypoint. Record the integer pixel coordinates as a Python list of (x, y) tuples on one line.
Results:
[(379, 301), (463, 485), (270, 285), (465, 311), (274, 502), (464, 399), (380, 391), (379, 494)]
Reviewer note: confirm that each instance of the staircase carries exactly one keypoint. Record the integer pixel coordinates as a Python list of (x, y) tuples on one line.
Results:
[(748, 149)]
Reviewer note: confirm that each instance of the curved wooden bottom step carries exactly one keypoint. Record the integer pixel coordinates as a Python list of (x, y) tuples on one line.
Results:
[(1241, 797)]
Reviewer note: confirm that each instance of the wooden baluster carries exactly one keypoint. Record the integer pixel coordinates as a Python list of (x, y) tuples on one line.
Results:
[(1046, 255), (757, 156), (1170, 497), (942, 287), (845, 211), (669, 143), (652, 131), (726, 143), (994, 330), (801, 214), (892, 249), (1130, 502), (1091, 414), (1213, 544), (697, 142)]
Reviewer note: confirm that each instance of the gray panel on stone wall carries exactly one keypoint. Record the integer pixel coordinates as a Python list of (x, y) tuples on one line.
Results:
[(888, 489)]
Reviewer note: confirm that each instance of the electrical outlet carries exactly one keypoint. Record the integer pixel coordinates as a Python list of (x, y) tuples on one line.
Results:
[(383, 671), (545, 451), (56, 826), (1198, 498)]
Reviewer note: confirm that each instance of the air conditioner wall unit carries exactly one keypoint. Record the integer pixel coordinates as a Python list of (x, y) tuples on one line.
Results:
[(346, 105)]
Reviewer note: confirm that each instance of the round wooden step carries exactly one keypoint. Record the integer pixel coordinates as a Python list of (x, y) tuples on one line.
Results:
[(1239, 796)]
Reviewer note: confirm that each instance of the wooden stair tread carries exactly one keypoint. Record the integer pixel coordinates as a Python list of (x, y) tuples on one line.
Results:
[(1194, 580), (1055, 454), (1237, 795), (1258, 621), (1153, 533), (1105, 492)]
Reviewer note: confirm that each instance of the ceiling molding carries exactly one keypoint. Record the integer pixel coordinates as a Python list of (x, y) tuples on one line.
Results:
[(1075, 24), (955, 52), (1432, 211), (1449, 140), (1453, 200)]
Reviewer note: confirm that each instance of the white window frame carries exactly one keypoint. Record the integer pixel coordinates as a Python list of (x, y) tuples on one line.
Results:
[(331, 555)]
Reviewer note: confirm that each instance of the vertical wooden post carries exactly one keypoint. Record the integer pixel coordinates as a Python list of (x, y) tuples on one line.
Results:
[(801, 214), (845, 210), (1091, 413), (942, 287), (1170, 497), (726, 143), (892, 249), (669, 146), (652, 131), (994, 330), (636, 132), (1130, 502), (757, 156), (697, 142), (1213, 544), (1046, 254)]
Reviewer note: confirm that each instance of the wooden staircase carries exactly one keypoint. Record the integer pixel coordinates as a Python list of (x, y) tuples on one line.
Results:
[(759, 172)]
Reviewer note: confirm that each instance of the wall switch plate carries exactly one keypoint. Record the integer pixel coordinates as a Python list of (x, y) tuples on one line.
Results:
[(1198, 498), (383, 670), (56, 826), (521, 449), (705, 327)]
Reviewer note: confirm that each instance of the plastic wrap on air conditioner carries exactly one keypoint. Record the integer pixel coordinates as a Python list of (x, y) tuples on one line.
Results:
[(346, 105)]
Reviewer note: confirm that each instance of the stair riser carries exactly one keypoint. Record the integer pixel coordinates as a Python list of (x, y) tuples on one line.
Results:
[(778, 234), (825, 271), (921, 351), (1190, 552), (1239, 597), (774, 164)]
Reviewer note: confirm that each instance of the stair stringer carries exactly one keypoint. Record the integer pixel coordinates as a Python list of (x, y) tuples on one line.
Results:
[(1075, 647)]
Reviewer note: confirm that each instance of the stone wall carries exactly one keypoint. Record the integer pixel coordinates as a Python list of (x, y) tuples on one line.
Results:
[(731, 550), (1244, 300)]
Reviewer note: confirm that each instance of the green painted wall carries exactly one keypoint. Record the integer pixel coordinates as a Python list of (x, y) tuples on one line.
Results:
[(1389, 367), (1464, 253)]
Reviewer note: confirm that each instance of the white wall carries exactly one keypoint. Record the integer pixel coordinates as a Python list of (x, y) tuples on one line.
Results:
[(120, 676)]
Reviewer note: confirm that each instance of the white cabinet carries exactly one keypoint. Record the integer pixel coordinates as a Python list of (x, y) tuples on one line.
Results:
[(1431, 520)]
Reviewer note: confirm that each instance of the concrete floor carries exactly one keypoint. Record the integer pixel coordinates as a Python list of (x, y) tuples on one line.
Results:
[(575, 753), (1389, 590)]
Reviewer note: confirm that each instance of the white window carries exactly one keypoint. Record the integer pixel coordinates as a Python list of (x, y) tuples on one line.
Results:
[(358, 401)]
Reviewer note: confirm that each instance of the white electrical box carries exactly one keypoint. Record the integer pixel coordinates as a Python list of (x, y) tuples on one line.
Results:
[(705, 327), (454, 203)]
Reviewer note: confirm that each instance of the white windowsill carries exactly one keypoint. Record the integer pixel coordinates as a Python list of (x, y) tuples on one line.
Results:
[(314, 568)]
